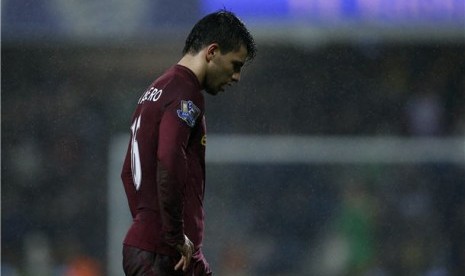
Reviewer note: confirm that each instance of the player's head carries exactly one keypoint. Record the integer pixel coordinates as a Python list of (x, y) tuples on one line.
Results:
[(227, 45), (222, 27)]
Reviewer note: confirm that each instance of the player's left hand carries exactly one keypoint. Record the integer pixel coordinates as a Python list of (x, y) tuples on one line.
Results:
[(186, 250)]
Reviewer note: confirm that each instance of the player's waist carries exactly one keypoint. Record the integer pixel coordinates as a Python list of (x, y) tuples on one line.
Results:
[(145, 214)]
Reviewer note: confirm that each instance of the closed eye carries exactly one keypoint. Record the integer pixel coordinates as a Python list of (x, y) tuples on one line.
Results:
[(237, 65)]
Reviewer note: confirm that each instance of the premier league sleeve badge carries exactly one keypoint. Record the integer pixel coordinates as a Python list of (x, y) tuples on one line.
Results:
[(188, 112)]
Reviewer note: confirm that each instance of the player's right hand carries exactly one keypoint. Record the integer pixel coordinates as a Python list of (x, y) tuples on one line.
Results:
[(186, 250)]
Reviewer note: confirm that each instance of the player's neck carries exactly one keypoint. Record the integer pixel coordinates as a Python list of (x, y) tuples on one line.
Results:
[(195, 64)]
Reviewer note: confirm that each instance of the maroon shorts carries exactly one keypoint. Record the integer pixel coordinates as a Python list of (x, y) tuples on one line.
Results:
[(137, 262)]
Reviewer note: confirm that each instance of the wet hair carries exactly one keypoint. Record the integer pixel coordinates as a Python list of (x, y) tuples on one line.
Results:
[(222, 27)]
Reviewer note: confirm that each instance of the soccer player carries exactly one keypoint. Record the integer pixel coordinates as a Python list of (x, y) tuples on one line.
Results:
[(164, 169)]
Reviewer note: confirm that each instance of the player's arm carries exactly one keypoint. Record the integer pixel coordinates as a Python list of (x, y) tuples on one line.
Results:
[(174, 131), (172, 173)]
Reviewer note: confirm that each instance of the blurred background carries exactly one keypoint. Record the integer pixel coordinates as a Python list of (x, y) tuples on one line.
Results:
[(341, 152)]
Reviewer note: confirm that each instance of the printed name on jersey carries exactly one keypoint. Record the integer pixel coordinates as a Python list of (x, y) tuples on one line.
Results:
[(188, 112), (152, 94)]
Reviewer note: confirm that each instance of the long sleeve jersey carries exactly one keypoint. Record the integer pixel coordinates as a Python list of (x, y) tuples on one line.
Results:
[(164, 169)]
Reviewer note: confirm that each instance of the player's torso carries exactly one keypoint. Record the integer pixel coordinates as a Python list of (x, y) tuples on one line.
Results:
[(161, 97)]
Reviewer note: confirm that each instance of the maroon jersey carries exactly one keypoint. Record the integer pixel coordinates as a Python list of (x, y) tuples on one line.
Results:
[(164, 169)]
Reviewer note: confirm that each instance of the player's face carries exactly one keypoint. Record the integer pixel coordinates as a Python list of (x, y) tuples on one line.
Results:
[(224, 69)]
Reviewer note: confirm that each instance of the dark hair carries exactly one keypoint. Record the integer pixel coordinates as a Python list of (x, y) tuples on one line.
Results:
[(222, 27)]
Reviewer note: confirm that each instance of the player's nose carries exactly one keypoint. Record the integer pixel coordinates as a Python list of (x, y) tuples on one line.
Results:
[(236, 77)]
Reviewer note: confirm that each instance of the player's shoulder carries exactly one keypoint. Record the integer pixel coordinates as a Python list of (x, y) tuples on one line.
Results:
[(179, 77), (178, 90), (181, 84)]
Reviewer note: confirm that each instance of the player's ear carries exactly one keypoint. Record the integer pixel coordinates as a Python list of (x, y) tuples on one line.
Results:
[(212, 51)]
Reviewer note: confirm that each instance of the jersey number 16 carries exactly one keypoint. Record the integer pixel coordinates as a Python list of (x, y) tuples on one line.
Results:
[(135, 157)]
